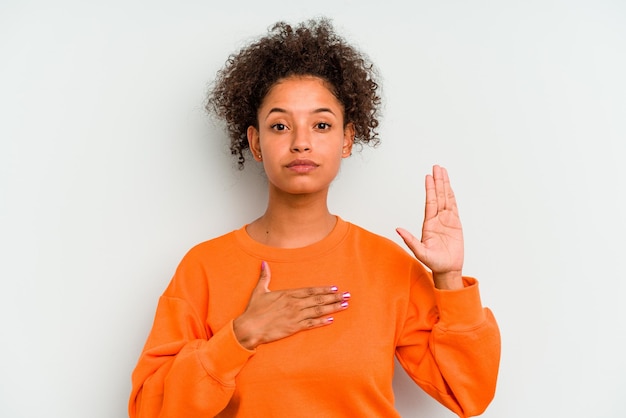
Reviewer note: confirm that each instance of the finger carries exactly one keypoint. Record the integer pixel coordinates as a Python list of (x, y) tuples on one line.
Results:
[(439, 187), (319, 311), (408, 238), (413, 243), (450, 198), (430, 209), (264, 279), (311, 323), (325, 299), (308, 292)]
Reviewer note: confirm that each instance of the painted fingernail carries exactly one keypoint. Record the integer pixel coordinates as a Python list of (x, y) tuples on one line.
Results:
[(330, 319), (346, 295), (334, 288), (344, 304)]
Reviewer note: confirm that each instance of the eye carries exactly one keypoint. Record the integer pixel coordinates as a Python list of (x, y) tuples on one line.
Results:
[(323, 126), (278, 127)]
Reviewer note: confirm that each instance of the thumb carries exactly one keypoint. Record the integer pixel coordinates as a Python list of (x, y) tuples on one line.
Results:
[(413, 243), (264, 279)]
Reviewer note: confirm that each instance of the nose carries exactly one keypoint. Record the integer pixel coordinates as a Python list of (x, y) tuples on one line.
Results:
[(301, 141)]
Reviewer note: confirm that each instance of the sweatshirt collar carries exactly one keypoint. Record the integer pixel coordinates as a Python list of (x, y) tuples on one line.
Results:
[(317, 249)]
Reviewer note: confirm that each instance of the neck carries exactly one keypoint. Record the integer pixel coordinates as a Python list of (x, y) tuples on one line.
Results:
[(292, 221)]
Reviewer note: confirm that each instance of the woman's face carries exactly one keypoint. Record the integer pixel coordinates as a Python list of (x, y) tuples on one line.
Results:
[(301, 137)]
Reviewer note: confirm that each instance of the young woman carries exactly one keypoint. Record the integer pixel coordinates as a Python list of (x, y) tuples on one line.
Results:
[(300, 313)]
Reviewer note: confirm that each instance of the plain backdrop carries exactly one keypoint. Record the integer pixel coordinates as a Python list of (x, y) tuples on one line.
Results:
[(110, 171)]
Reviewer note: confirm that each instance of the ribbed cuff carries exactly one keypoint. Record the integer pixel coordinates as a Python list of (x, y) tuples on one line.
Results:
[(223, 357), (461, 309)]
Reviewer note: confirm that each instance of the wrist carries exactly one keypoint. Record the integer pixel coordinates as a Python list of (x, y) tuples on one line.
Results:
[(451, 280), (243, 335)]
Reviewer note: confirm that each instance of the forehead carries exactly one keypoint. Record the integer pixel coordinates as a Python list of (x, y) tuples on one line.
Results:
[(301, 89)]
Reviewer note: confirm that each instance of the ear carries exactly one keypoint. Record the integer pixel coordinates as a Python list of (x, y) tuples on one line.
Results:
[(253, 142), (348, 140)]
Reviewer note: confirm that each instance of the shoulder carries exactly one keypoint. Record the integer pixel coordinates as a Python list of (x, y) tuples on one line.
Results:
[(370, 241), (212, 248), (201, 260), (384, 256), (216, 242)]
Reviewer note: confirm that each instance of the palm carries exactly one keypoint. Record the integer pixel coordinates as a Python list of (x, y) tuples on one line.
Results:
[(441, 245)]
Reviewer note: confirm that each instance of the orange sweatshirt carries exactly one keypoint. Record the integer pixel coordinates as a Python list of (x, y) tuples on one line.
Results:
[(193, 366)]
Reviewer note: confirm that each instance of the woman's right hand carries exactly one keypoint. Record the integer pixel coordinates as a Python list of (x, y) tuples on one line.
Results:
[(271, 316)]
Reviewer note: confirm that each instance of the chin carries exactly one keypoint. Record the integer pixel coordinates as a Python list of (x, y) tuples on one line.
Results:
[(301, 189)]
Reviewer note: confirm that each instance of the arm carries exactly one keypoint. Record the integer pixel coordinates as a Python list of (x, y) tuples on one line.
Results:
[(186, 370), (452, 346), (186, 377)]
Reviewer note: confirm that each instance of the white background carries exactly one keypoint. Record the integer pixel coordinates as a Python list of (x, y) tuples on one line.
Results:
[(110, 171)]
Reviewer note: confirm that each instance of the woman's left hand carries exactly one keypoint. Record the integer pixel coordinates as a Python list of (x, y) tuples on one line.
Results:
[(441, 246)]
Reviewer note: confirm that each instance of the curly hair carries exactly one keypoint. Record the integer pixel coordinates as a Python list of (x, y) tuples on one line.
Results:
[(310, 48)]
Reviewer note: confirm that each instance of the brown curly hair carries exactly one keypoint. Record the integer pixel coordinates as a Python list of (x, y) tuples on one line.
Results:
[(310, 48)]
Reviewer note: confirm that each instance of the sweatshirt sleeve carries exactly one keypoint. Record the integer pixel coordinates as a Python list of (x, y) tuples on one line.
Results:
[(185, 370), (450, 346)]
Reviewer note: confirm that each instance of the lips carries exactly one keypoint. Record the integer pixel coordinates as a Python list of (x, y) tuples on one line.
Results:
[(301, 162), (302, 165)]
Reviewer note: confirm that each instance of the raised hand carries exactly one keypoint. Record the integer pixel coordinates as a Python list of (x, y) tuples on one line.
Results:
[(441, 245), (271, 316)]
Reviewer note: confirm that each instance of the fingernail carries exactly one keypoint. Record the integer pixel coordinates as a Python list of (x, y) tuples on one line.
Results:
[(263, 266), (344, 304), (346, 295), (334, 288), (330, 319)]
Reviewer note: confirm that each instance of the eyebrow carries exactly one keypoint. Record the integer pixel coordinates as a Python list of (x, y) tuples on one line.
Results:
[(281, 110)]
